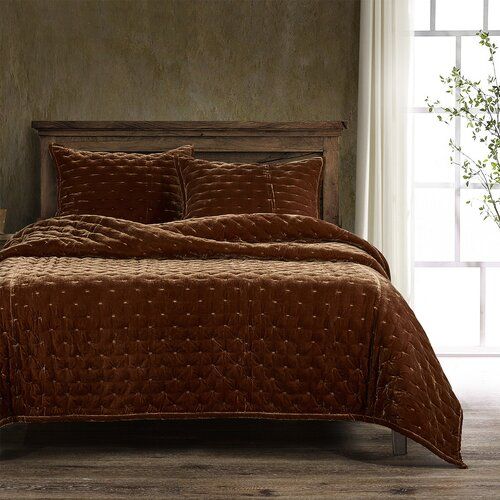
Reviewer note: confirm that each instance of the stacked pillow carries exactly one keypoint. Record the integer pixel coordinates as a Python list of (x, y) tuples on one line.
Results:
[(216, 188), (162, 187), (134, 186)]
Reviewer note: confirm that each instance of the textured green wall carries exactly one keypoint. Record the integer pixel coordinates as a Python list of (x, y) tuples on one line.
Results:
[(171, 60)]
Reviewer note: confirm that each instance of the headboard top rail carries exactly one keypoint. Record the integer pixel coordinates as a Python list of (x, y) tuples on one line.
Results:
[(214, 128)]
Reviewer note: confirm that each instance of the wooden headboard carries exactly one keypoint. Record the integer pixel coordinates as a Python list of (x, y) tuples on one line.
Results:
[(255, 142)]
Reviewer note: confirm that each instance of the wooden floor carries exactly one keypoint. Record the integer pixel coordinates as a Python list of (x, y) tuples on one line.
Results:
[(241, 459)]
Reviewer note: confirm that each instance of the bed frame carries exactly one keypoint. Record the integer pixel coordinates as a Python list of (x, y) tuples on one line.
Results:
[(249, 142)]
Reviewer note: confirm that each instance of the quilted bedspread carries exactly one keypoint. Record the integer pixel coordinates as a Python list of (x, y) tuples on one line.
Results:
[(263, 315)]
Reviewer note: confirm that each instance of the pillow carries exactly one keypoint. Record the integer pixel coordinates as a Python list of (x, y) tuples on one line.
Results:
[(139, 187), (216, 188)]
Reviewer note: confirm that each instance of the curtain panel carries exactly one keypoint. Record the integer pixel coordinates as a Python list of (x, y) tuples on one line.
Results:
[(383, 193)]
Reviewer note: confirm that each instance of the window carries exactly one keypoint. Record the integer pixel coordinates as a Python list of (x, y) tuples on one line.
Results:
[(457, 254)]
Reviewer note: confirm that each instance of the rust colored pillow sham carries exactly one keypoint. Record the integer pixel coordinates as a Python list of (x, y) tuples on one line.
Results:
[(134, 186), (217, 188)]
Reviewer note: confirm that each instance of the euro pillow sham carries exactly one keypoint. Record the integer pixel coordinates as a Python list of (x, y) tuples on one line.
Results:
[(217, 188), (134, 186)]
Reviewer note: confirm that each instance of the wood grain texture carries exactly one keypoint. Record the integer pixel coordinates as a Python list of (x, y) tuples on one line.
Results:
[(48, 180), (217, 140), (209, 128), (214, 144), (331, 180), (240, 459)]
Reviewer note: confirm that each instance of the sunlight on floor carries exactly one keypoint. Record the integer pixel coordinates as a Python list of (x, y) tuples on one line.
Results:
[(475, 380)]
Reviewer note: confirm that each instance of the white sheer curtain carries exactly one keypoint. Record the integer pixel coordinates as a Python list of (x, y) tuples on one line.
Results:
[(383, 195)]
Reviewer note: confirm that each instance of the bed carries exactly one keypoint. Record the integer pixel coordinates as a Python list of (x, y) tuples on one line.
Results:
[(241, 316)]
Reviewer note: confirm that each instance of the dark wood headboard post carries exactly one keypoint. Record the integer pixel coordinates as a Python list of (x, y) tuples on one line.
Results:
[(226, 141)]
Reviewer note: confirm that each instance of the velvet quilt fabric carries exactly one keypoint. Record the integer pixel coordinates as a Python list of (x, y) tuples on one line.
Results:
[(261, 315)]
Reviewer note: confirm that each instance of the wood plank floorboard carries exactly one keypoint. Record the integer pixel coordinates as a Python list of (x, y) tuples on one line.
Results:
[(243, 459), (240, 459)]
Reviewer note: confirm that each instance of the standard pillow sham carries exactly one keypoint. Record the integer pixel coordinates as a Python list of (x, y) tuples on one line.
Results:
[(217, 188), (135, 186)]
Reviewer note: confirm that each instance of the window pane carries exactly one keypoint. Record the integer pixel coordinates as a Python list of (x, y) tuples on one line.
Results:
[(459, 14), (434, 56), (475, 59), (479, 239), (447, 305), (492, 313), (434, 224), (421, 14), (494, 15), (431, 149)]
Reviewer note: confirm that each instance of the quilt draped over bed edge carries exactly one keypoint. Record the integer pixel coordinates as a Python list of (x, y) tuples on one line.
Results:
[(262, 315)]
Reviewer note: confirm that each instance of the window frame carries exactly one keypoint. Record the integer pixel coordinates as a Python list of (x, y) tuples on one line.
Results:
[(482, 349)]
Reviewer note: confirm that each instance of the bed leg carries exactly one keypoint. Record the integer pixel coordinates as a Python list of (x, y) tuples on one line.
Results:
[(399, 444)]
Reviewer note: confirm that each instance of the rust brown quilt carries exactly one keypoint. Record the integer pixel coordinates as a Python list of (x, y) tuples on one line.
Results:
[(269, 316)]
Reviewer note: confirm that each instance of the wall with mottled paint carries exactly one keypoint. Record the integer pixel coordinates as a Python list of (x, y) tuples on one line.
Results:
[(171, 60)]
